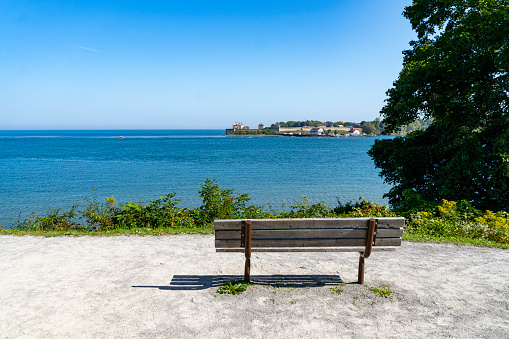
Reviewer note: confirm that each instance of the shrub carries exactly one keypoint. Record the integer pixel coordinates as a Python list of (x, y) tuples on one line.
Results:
[(53, 220), (453, 219), (363, 208), (303, 209), (220, 203), (98, 215)]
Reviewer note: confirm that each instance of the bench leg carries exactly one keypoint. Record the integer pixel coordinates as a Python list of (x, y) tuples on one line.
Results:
[(247, 225), (247, 270), (361, 270)]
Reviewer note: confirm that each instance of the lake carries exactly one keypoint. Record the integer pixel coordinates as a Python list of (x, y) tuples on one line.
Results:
[(43, 169)]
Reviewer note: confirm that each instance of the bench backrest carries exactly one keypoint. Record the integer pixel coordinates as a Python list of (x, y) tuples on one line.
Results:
[(308, 232)]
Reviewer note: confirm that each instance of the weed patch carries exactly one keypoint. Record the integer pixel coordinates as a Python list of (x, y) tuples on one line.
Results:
[(336, 290), (382, 291), (229, 287)]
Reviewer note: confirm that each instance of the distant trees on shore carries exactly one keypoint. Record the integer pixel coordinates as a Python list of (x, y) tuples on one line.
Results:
[(374, 127)]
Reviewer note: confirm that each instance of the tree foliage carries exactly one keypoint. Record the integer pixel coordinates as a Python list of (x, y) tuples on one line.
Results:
[(368, 128), (416, 125), (456, 73)]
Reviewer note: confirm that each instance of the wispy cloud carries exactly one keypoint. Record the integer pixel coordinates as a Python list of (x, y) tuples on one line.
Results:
[(90, 49)]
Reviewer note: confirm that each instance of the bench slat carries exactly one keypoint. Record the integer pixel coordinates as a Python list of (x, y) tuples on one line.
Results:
[(327, 242), (312, 233), (308, 223), (308, 249)]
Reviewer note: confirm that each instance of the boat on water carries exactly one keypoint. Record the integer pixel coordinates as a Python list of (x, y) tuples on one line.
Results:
[(120, 137)]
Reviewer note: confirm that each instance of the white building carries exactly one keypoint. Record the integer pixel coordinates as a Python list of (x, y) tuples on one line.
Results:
[(316, 131), (239, 126), (354, 132)]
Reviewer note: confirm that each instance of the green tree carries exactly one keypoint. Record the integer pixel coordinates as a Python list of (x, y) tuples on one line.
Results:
[(417, 124), (368, 128), (456, 73), (378, 125)]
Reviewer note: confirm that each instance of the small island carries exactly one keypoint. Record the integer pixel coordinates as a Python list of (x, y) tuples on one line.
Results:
[(308, 128), (298, 129), (315, 128)]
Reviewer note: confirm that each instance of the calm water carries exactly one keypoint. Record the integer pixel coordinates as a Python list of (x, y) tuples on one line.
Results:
[(42, 169)]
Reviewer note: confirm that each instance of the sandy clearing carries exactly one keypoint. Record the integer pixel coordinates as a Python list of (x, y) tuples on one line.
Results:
[(107, 287)]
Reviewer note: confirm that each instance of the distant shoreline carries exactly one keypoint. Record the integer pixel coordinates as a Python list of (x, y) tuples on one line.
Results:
[(296, 136)]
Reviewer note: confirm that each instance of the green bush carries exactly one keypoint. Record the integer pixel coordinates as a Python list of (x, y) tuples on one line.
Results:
[(303, 209), (220, 203), (97, 215), (53, 220), (363, 208)]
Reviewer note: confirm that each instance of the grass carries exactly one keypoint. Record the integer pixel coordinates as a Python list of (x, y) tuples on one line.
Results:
[(234, 288), (140, 231), (453, 240), (336, 290), (382, 291), (280, 286)]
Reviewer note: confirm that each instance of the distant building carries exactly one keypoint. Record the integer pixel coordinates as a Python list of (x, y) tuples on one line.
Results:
[(354, 131), (316, 131), (261, 126), (306, 129), (238, 126)]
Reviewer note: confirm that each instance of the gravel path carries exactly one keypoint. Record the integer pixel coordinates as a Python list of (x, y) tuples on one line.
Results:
[(152, 287)]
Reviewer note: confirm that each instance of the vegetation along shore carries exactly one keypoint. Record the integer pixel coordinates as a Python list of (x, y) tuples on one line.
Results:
[(445, 221), (316, 128)]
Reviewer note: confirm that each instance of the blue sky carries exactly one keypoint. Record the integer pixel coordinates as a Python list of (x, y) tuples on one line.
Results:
[(196, 64)]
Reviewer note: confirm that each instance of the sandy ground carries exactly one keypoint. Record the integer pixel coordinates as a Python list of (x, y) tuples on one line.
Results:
[(151, 287)]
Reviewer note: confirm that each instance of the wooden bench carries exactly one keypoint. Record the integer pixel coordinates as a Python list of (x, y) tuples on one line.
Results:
[(363, 235)]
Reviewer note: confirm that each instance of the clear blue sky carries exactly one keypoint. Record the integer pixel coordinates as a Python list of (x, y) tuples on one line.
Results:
[(196, 64)]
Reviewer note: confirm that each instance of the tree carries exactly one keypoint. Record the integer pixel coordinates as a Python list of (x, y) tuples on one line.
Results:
[(378, 125), (456, 73), (368, 128), (417, 124)]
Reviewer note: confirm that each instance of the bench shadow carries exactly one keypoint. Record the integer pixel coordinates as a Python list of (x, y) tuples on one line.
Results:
[(202, 282)]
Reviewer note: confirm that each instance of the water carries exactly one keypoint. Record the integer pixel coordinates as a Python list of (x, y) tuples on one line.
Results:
[(43, 169)]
